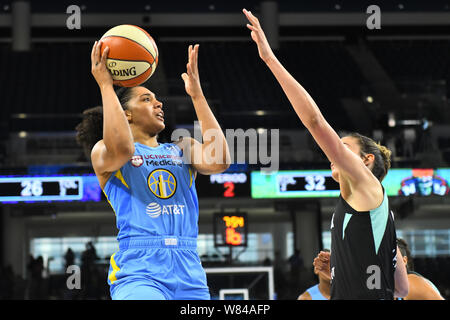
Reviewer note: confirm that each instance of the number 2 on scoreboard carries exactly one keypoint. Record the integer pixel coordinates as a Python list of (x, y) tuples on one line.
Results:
[(229, 190)]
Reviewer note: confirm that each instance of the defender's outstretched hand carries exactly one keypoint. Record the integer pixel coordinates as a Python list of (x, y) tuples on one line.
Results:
[(265, 52), (191, 77)]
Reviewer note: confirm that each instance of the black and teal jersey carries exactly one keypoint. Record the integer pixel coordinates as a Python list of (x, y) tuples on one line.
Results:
[(363, 252)]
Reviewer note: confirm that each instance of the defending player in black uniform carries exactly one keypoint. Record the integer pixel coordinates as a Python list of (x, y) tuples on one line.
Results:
[(365, 261)]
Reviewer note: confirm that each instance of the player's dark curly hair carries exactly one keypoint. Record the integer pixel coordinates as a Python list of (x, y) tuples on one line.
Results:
[(382, 154), (90, 129)]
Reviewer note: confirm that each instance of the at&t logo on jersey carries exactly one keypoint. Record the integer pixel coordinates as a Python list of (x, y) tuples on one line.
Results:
[(154, 210), (137, 161)]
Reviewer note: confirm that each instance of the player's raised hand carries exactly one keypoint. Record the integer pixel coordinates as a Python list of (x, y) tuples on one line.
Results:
[(98, 68), (257, 34), (191, 77)]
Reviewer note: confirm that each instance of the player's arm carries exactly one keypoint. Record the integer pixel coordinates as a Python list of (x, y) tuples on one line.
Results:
[(117, 147), (401, 277), (420, 289), (308, 112), (211, 156)]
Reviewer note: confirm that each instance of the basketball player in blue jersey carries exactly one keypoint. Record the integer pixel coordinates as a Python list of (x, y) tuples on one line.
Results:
[(320, 291), (365, 261), (150, 185)]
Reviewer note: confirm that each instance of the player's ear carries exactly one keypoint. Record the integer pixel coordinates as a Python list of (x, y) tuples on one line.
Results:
[(368, 158), (405, 260), (128, 115)]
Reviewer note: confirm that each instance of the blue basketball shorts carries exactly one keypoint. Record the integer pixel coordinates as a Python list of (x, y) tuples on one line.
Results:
[(157, 268)]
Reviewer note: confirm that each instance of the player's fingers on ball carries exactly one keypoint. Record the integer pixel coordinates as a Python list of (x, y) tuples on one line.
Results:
[(97, 50), (93, 50), (105, 55)]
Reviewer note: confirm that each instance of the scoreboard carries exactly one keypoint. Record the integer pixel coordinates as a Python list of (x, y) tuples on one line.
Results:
[(223, 185), (228, 185), (418, 182), (294, 184), (319, 183), (15, 189)]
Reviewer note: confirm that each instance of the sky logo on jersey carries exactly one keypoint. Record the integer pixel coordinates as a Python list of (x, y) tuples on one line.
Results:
[(154, 210), (162, 183), (137, 161)]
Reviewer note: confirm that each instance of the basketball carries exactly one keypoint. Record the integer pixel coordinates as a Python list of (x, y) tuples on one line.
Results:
[(133, 55)]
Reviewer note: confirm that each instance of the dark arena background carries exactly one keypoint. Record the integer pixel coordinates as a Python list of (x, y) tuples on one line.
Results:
[(258, 234)]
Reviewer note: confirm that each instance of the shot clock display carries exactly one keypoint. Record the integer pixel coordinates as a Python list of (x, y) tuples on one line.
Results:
[(15, 189), (230, 229)]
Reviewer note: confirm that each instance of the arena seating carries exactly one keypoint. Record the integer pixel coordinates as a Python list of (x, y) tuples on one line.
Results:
[(411, 60), (245, 89), (239, 79)]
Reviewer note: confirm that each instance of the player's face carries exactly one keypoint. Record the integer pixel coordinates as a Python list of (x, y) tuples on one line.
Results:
[(146, 111), (353, 145)]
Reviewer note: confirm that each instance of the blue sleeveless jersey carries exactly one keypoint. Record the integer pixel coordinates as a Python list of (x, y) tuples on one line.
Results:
[(154, 194), (315, 293)]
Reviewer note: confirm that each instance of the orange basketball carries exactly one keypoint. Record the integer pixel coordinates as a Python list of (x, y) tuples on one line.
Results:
[(133, 55)]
